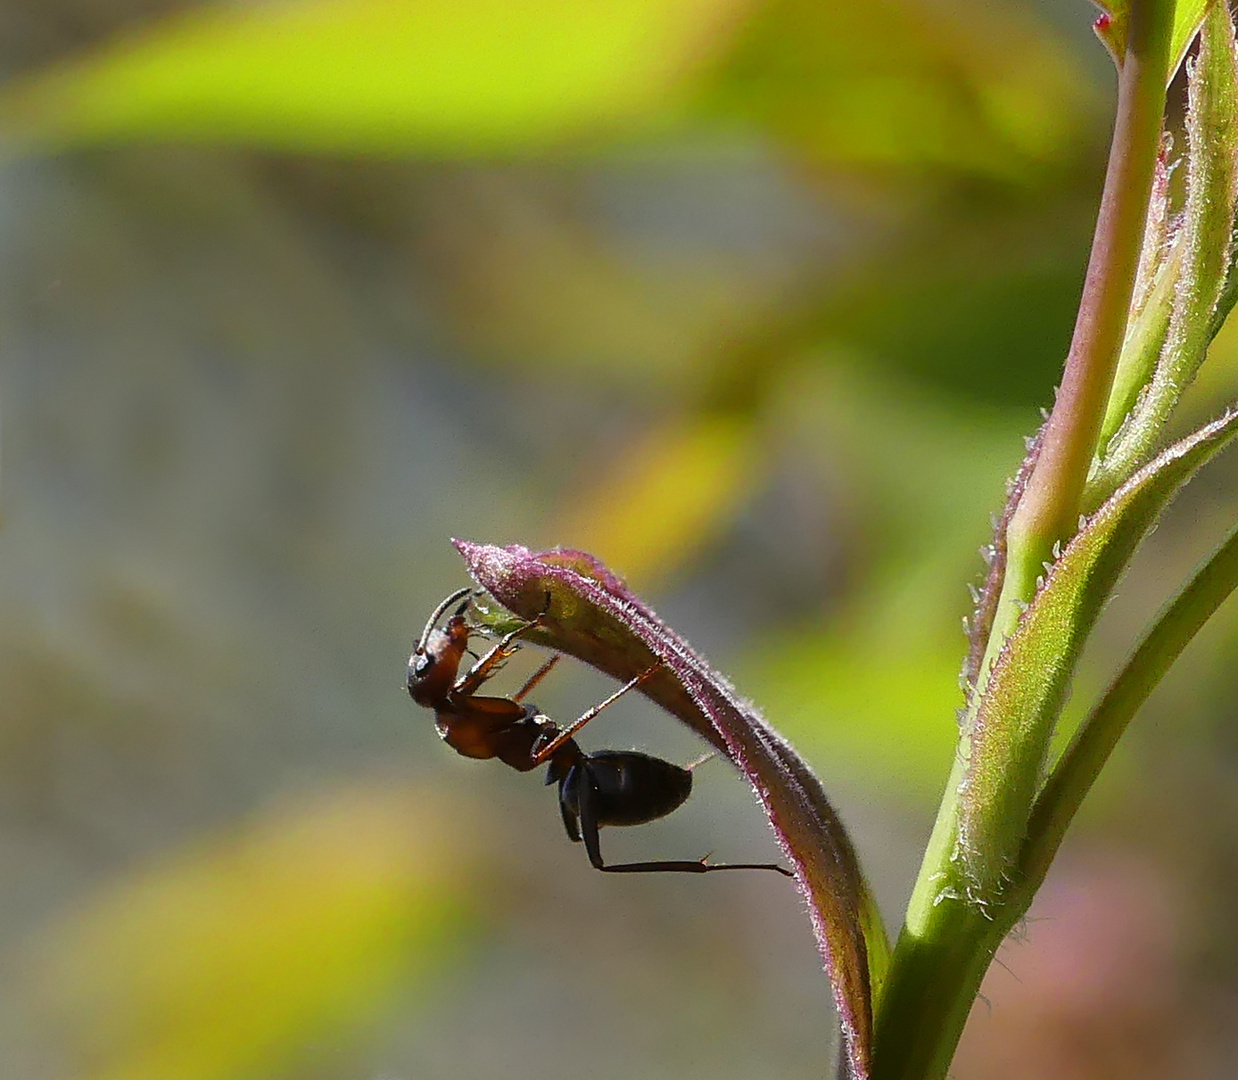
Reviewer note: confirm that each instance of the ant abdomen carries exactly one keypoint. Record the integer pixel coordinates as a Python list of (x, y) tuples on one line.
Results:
[(628, 787)]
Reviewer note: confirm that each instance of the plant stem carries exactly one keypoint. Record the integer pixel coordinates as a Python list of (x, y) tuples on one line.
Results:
[(1049, 509), (939, 964), (933, 983), (948, 940)]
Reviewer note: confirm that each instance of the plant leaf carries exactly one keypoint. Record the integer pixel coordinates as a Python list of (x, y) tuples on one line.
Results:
[(980, 625), (593, 617), (1111, 28), (1156, 230), (1152, 305), (1201, 254), (1173, 629), (1008, 740), (907, 83), (432, 76)]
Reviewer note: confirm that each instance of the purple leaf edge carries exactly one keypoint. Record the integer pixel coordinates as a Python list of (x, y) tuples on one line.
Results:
[(591, 614)]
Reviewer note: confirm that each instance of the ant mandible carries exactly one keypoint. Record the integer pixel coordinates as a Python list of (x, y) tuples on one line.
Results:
[(607, 787)]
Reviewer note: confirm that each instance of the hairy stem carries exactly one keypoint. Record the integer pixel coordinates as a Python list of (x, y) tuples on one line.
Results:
[(1049, 510), (947, 941)]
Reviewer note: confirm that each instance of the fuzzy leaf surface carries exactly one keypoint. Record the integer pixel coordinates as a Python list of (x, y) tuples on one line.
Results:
[(1156, 285), (1009, 737), (1201, 257), (591, 615)]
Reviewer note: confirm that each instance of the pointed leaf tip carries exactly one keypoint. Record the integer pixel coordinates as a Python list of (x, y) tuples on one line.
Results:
[(588, 612)]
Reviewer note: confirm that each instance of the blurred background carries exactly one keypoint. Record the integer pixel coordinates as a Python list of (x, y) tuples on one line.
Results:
[(755, 299)]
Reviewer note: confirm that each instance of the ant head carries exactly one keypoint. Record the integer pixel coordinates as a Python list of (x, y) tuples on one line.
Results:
[(435, 645)]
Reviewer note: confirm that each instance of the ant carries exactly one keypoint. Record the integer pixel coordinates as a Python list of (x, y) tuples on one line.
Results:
[(606, 787)]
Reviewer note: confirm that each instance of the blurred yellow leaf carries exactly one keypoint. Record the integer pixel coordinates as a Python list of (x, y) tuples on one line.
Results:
[(428, 76), (665, 495), (228, 958)]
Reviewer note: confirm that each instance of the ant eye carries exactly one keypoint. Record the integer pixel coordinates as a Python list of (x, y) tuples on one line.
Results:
[(424, 663)]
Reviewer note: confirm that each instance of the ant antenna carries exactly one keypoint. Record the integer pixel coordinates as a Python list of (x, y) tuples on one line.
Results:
[(438, 614)]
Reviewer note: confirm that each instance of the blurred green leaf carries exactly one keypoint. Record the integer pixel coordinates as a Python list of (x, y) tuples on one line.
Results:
[(225, 960), (883, 82), (882, 716), (873, 693), (967, 87), (389, 76)]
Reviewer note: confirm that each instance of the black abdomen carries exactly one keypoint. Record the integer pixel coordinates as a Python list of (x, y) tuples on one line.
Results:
[(631, 788)]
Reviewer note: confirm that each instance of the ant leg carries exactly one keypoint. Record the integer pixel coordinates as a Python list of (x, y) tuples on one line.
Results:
[(536, 677), (544, 753), (569, 823), (469, 683), (593, 847), (693, 765)]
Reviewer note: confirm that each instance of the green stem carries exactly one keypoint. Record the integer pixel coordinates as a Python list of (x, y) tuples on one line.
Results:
[(934, 981), (948, 940), (942, 957), (1049, 510)]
